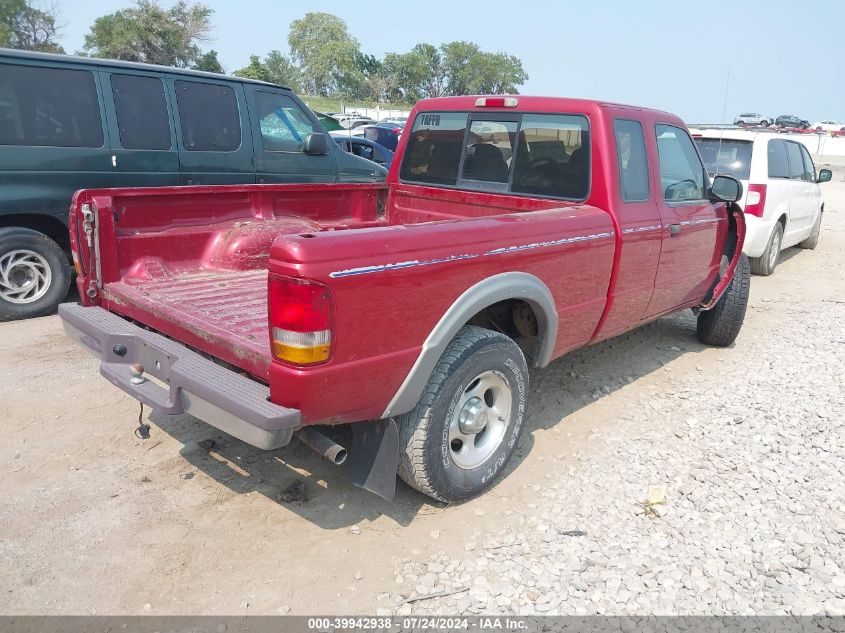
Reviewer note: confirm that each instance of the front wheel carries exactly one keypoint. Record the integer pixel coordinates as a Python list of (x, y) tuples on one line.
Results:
[(34, 274), (720, 325), (764, 123), (456, 441)]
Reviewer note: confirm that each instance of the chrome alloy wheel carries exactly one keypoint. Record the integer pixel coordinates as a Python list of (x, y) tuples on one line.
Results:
[(774, 252), (25, 276), (479, 420)]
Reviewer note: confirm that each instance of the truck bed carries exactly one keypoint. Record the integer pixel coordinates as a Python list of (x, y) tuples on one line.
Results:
[(225, 310)]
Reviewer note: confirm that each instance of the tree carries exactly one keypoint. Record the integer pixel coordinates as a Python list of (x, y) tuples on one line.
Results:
[(276, 69), (460, 65), (209, 63), (149, 33), (325, 52), (24, 26), (255, 69), (434, 84), (281, 70), (469, 70), (410, 73)]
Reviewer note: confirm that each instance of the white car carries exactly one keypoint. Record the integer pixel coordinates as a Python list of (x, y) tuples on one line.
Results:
[(781, 197), (828, 126), (751, 118)]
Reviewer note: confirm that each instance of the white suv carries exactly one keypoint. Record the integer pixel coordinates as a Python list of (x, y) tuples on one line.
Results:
[(781, 196), (750, 118)]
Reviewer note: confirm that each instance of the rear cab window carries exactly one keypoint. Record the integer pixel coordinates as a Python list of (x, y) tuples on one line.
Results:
[(49, 107), (731, 157), (545, 155)]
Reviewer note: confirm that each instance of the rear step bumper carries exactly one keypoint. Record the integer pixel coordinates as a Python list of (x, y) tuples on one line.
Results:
[(186, 382)]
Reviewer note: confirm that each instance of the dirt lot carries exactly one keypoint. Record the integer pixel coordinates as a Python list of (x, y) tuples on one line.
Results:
[(748, 442)]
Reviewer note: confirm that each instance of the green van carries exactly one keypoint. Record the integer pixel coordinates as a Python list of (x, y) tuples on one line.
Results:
[(68, 123)]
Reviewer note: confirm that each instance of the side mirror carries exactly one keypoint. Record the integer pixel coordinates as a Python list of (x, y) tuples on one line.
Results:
[(316, 144), (825, 175), (725, 189)]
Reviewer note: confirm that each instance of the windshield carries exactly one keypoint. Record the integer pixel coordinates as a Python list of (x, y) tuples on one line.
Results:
[(726, 156)]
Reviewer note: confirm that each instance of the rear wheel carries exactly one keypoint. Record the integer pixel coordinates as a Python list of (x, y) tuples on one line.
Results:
[(34, 274), (813, 239), (764, 123), (766, 263), (457, 440), (721, 324)]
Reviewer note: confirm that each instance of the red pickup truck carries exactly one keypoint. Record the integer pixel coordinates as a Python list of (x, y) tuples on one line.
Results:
[(510, 231)]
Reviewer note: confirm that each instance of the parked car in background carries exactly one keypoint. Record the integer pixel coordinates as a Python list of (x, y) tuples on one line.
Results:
[(69, 123), (329, 123), (352, 123), (828, 126), (411, 309), (395, 119), (363, 147), (386, 134), (782, 199), (790, 120), (751, 118)]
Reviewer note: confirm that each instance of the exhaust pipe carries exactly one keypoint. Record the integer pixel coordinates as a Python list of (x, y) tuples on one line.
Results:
[(324, 446)]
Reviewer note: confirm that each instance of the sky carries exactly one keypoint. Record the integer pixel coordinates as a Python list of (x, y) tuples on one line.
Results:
[(695, 58)]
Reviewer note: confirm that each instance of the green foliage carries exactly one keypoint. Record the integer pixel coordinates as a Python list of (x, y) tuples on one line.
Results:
[(276, 69), (148, 33), (326, 54), (325, 59), (209, 63), (23, 26)]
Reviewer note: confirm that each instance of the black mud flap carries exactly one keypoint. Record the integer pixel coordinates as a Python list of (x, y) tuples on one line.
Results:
[(374, 457)]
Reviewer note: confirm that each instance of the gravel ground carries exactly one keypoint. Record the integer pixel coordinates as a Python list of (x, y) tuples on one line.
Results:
[(656, 476), (718, 488)]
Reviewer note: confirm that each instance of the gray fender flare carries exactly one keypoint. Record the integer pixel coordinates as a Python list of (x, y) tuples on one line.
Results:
[(510, 285)]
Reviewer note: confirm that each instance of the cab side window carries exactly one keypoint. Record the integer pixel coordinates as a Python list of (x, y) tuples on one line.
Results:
[(681, 171), (284, 126), (632, 160), (209, 116)]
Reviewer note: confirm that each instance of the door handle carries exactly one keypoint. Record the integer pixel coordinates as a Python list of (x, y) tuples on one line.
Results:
[(674, 229)]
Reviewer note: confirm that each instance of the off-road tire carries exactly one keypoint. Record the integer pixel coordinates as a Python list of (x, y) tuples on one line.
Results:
[(764, 265), (15, 238), (813, 238), (425, 461), (720, 325)]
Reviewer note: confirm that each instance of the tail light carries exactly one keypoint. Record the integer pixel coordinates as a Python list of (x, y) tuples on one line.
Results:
[(755, 201), (300, 320)]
